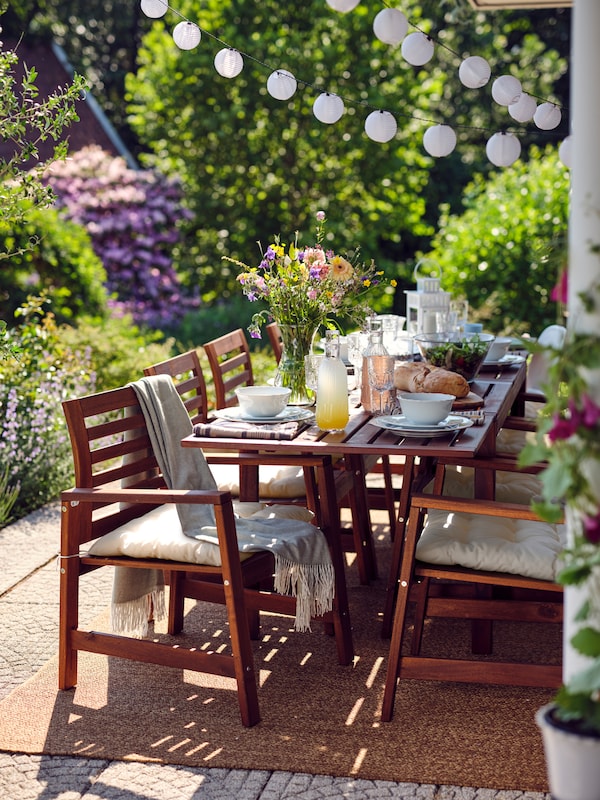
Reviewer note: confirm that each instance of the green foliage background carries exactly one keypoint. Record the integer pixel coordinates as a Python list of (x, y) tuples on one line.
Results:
[(254, 166)]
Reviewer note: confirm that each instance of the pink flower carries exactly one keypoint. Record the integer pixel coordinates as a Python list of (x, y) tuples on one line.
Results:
[(320, 216), (590, 413), (562, 428), (591, 528), (560, 293)]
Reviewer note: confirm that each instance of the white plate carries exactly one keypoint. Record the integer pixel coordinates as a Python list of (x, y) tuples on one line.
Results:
[(401, 425), (506, 360), (289, 414)]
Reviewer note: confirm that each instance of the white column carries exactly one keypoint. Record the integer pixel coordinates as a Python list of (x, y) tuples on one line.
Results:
[(584, 224)]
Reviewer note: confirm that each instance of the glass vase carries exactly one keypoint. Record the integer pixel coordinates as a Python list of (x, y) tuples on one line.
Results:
[(297, 343)]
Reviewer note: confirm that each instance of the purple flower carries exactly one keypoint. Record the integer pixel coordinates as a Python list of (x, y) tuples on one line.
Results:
[(591, 528), (320, 216), (590, 413), (562, 428)]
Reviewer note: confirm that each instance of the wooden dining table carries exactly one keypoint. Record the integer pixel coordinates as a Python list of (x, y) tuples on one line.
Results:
[(500, 389)]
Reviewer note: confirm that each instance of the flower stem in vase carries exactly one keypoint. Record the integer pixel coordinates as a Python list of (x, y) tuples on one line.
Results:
[(297, 343)]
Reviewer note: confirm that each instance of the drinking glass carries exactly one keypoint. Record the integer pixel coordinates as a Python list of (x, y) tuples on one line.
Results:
[(381, 379), (461, 309), (312, 362), (357, 343)]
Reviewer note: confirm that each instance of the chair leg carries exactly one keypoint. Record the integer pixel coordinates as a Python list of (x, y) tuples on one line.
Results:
[(361, 524), (422, 595), (175, 579)]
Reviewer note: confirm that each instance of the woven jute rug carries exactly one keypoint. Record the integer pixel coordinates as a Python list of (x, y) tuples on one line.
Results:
[(317, 716)]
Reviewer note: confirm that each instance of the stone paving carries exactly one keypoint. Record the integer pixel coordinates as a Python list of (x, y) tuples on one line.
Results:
[(29, 624)]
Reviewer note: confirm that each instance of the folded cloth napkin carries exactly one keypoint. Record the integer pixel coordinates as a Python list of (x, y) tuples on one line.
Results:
[(246, 430), (477, 416)]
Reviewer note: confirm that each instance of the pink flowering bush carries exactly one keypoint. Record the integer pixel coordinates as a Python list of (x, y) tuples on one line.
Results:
[(132, 217), (568, 440)]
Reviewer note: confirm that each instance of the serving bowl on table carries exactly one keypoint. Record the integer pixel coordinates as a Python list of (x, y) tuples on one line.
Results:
[(498, 348), (262, 401), (425, 408), (458, 352)]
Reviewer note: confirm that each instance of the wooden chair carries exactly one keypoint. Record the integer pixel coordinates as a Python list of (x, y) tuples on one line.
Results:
[(436, 528), (111, 448), (230, 365), (274, 335)]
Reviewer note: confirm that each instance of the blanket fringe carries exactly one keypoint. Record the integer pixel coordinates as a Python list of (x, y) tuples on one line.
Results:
[(311, 584), (131, 617)]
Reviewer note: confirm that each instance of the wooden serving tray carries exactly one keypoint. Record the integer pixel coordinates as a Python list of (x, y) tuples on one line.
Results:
[(471, 401)]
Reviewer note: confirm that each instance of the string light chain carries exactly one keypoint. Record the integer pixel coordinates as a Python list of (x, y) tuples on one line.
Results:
[(329, 107)]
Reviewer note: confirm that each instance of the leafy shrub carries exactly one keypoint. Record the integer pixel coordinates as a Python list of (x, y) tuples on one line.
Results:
[(33, 436), (118, 349), (50, 255), (132, 217), (504, 252)]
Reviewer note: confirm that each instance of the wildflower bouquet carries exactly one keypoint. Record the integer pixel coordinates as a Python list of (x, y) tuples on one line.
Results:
[(305, 287)]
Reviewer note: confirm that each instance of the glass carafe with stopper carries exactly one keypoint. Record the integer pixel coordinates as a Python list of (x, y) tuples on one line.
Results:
[(375, 347), (331, 413)]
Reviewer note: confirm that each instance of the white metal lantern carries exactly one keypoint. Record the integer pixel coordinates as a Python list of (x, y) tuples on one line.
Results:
[(154, 8), (328, 108), (186, 35), (503, 149), (506, 90), (547, 116), (565, 151), (390, 26), (342, 5), (417, 49), (380, 126), (428, 300), (281, 84), (474, 72), (439, 140), (524, 109), (229, 62)]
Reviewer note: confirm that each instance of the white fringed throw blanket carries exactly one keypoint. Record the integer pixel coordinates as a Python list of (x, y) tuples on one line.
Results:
[(303, 566)]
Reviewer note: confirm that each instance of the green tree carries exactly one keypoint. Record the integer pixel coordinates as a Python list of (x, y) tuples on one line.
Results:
[(254, 166), (506, 250)]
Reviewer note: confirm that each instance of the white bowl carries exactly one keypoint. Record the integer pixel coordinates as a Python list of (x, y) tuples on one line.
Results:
[(262, 401), (427, 408), (498, 348)]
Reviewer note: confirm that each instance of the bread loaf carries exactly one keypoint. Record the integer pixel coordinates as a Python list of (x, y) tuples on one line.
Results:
[(420, 377)]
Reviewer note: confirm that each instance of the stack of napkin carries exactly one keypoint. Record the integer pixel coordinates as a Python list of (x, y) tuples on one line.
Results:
[(245, 430)]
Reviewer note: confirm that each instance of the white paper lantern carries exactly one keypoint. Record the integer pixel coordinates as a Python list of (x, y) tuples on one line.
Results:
[(186, 35), (328, 108), (524, 109), (474, 72), (229, 62), (439, 140), (506, 90), (417, 49), (154, 8), (565, 151), (380, 126), (503, 149), (547, 116), (390, 26), (342, 5), (281, 84)]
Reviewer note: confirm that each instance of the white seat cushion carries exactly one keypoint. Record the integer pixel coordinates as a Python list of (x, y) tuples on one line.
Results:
[(275, 482), (475, 541), (511, 487), (158, 534)]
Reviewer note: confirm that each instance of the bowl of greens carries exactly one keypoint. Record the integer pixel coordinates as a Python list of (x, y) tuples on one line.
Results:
[(463, 353)]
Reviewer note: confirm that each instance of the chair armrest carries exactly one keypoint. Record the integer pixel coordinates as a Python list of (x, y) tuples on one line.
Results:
[(103, 496), (488, 508)]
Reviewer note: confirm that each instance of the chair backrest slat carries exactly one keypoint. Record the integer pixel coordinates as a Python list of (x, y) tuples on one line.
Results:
[(230, 364), (186, 371)]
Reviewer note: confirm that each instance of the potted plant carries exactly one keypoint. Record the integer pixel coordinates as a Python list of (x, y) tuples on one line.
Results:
[(568, 440)]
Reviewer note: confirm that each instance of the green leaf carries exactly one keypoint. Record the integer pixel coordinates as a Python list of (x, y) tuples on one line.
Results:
[(587, 642)]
